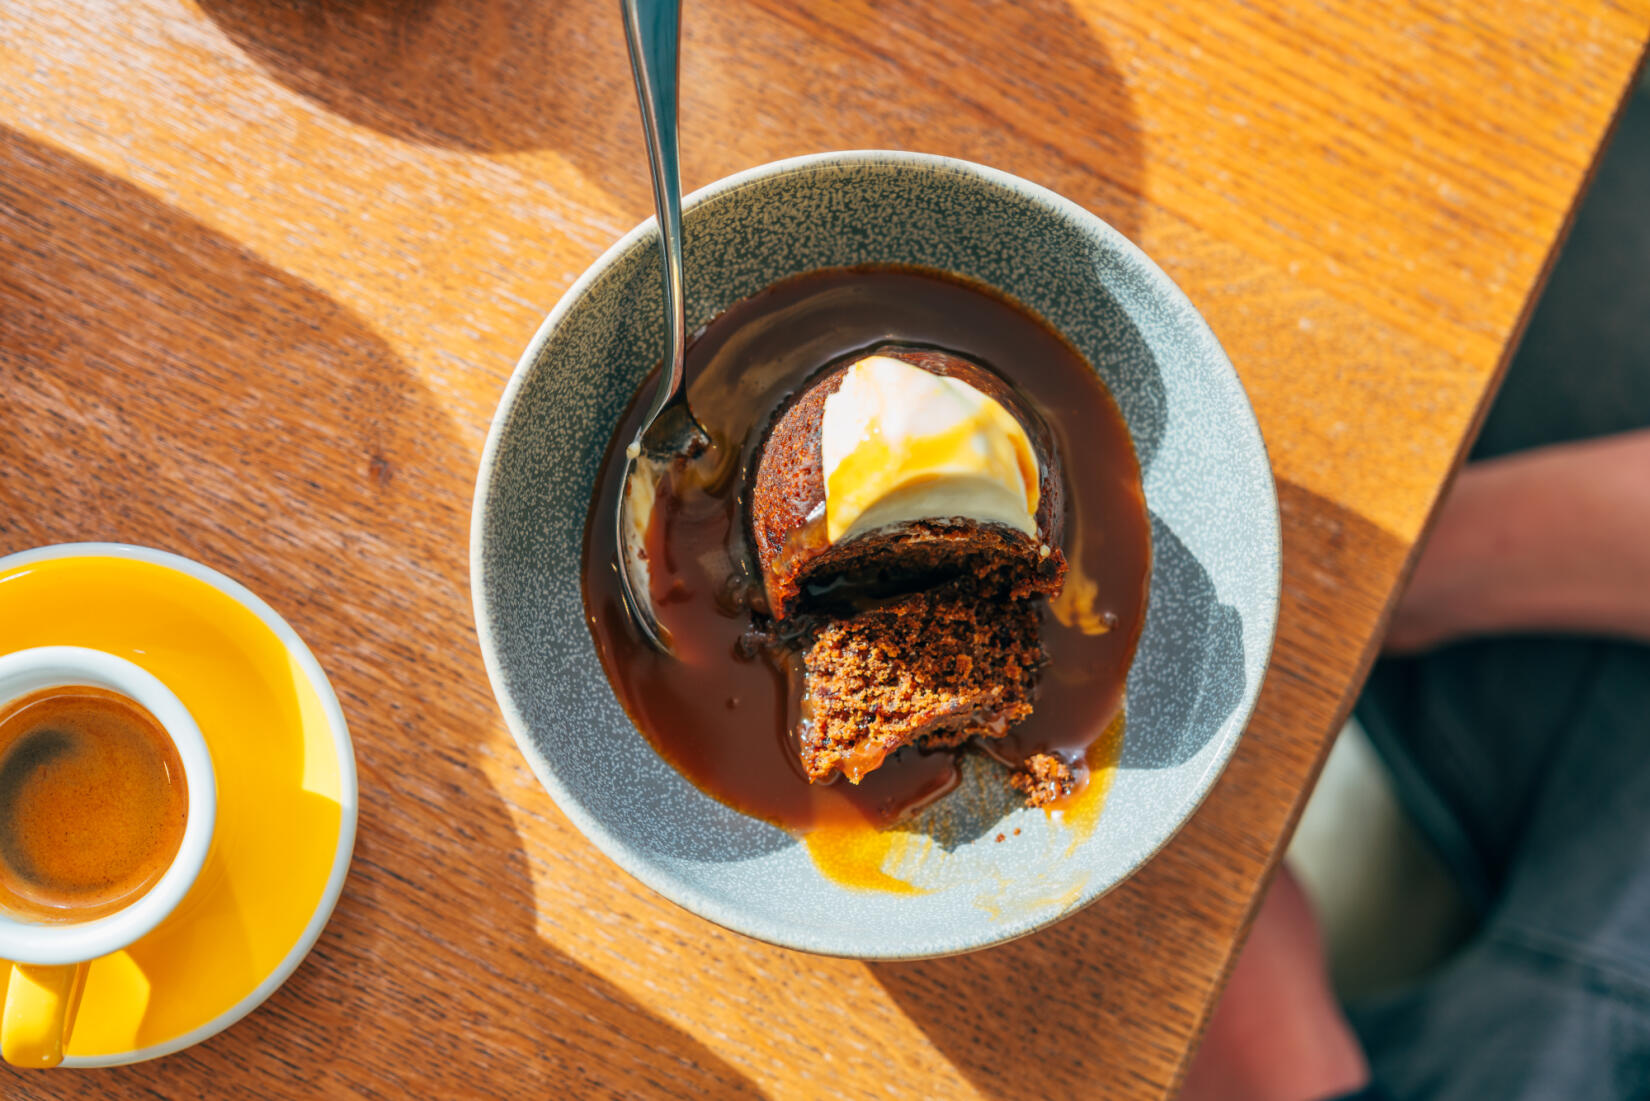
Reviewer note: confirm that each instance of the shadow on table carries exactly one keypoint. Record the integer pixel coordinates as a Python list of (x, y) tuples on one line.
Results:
[(1027, 87), (1024, 1021), (488, 75), (164, 386)]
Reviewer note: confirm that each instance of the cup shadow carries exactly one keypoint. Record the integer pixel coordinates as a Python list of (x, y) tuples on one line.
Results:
[(164, 386)]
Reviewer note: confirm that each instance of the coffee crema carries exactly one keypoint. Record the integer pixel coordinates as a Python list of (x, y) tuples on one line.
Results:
[(93, 802)]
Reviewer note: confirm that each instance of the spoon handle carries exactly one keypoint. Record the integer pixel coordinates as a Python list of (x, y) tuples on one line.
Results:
[(652, 31)]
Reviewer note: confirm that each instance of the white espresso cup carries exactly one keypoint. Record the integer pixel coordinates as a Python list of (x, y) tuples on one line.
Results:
[(43, 964)]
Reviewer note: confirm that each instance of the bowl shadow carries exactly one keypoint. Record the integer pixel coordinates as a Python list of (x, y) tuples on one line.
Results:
[(1169, 720)]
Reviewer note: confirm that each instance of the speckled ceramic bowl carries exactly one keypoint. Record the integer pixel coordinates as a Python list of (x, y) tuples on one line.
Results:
[(1215, 574)]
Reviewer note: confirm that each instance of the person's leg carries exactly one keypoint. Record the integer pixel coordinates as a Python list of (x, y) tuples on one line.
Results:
[(1278, 1034)]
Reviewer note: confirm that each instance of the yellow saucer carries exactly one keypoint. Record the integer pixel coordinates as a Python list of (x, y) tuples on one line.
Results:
[(286, 785)]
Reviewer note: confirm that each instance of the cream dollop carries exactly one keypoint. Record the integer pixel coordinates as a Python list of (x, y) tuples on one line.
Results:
[(898, 444)]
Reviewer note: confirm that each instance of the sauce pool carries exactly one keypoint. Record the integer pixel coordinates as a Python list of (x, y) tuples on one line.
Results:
[(722, 712)]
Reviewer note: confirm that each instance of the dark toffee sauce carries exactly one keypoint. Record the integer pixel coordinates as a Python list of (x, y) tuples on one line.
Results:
[(722, 711)]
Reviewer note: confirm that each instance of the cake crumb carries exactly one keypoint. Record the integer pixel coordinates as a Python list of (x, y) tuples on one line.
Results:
[(1044, 778)]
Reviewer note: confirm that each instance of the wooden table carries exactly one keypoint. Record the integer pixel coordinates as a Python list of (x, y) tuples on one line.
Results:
[(266, 264)]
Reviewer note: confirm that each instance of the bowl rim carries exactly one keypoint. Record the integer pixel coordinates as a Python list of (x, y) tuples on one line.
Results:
[(680, 891)]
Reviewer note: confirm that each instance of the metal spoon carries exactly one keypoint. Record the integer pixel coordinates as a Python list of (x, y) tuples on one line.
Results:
[(669, 435)]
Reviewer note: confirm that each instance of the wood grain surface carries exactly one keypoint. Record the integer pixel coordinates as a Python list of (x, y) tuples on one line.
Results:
[(266, 264)]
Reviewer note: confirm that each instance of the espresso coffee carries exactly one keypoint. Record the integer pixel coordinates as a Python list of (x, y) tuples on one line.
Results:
[(93, 803)]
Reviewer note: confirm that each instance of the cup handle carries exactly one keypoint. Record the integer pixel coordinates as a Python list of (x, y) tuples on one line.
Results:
[(40, 1004)]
